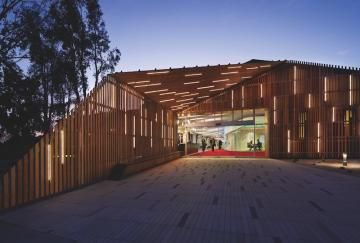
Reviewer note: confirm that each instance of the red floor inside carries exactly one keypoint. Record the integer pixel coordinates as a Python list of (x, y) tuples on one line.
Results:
[(222, 152)]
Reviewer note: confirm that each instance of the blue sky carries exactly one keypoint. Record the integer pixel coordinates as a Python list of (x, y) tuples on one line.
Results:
[(169, 33)]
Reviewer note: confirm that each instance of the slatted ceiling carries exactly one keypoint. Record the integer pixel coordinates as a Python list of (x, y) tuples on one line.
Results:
[(196, 82)]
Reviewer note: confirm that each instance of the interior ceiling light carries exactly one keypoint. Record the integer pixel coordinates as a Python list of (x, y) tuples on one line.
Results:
[(181, 93), (221, 80), (192, 102), (265, 66), (230, 84), (193, 74), (156, 91), (246, 77), (184, 100), (251, 68), (167, 93), (162, 101), (195, 82), (140, 82), (229, 73), (234, 67), (147, 85), (205, 96), (187, 95), (159, 72), (206, 87), (212, 90)]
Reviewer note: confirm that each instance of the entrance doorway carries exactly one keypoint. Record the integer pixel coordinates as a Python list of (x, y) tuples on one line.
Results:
[(242, 133)]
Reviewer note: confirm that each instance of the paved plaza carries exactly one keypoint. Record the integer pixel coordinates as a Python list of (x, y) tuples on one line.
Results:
[(199, 200)]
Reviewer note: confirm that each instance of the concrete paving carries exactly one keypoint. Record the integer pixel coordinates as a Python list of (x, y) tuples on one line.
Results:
[(199, 200)]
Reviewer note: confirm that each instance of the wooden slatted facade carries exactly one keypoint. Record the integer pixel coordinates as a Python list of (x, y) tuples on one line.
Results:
[(313, 112), (113, 125), (314, 109)]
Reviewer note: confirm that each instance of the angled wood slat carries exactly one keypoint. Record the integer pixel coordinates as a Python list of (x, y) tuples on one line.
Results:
[(82, 148)]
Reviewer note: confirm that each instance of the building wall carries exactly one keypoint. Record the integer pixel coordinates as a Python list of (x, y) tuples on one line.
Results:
[(113, 125), (313, 109)]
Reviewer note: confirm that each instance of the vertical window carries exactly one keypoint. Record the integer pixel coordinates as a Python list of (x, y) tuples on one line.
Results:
[(309, 100), (134, 141), (125, 127), (62, 144), (288, 140), (141, 117), (125, 108), (325, 89), (348, 117), (49, 164), (145, 122), (162, 123), (295, 78), (261, 90), (302, 119), (318, 137), (333, 114), (151, 138), (351, 90), (274, 109)]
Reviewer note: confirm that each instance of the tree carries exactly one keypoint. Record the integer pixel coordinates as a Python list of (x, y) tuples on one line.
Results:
[(103, 59)]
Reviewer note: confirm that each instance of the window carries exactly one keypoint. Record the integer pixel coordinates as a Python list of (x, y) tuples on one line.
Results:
[(302, 120)]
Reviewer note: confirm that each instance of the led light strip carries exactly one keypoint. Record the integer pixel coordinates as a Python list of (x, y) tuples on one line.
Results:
[(229, 73), (265, 66), (206, 87), (184, 100), (205, 96), (251, 68), (168, 93), (147, 85), (159, 72), (193, 74), (182, 93), (246, 77), (234, 67), (140, 82), (212, 90), (189, 95), (156, 91), (195, 82), (162, 101), (230, 84)]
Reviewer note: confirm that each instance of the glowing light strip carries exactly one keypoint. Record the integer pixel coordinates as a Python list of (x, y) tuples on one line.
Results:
[(49, 164), (182, 93), (309, 100), (234, 67), (221, 80), (318, 137), (162, 101), (140, 82), (251, 68), (325, 89), (333, 114), (350, 90), (193, 74), (246, 77), (125, 123), (205, 96), (184, 104), (187, 95), (168, 93), (159, 72), (151, 140), (62, 142), (206, 87), (229, 73), (242, 96), (147, 85), (184, 100), (230, 84), (295, 79), (274, 110), (212, 90), (134, 142), (195, 82), (265, 66), (156, 91), (288, 141), (261, 90)]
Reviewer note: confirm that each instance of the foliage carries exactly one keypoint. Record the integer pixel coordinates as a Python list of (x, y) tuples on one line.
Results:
[(61, 41)]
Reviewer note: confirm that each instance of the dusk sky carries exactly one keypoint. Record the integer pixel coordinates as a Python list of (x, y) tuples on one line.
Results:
[(162, 34)]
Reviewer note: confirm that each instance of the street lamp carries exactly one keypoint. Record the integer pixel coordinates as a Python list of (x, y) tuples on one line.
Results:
[(344, 162)]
